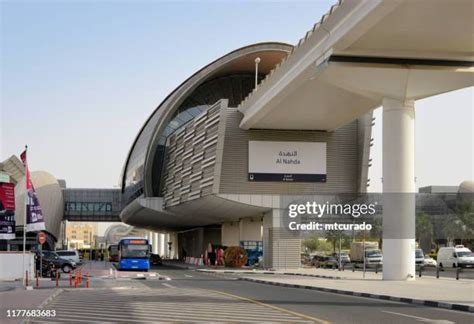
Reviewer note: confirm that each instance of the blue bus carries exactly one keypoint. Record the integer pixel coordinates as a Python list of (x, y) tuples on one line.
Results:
[(134, 254)]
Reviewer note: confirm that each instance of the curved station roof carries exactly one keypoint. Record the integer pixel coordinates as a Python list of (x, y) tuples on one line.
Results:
[(231, 77)]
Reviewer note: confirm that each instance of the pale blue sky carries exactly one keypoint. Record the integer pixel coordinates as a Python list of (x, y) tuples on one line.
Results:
[(79, 78)]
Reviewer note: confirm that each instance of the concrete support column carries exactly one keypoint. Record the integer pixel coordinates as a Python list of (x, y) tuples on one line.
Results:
[(173, 238), (398, 189), (281, 247), (155, 243), (149, 237), (250, 229), (230, 234), (161, 244)]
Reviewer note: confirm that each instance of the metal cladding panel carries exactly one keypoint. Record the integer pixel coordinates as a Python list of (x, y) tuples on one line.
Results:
[(343, 161), (191, 158), (282, 248)]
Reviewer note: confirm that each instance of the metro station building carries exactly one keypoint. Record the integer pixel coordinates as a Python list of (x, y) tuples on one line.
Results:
[(205, 164), (188, 170)]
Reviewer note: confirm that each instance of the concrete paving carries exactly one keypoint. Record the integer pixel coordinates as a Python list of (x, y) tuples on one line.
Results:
[(18, 299)]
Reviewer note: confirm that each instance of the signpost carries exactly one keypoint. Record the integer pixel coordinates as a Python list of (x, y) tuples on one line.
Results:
[(41, 238)]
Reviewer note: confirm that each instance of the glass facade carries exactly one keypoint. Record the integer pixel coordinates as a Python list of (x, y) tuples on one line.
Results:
[(87, 207), (234, 87)]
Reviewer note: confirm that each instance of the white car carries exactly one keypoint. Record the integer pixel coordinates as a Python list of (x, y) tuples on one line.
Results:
[(71, 255), (429, 262), (457, 256), (419, 257)]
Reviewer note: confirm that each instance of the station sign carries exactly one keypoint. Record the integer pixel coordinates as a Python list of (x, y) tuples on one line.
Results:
[(287, 161)]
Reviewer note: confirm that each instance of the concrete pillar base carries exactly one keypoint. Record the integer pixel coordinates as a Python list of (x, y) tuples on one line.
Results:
[(281, 247)]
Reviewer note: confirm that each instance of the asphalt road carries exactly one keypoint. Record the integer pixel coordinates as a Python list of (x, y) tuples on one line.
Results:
[(321, 306)]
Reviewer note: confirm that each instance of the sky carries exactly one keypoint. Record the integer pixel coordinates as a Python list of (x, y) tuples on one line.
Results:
[(79, 79)]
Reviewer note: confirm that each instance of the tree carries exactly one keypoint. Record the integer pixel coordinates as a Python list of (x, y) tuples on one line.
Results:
[(315, 243), (460, 225), (376, 231), (311, 244), (423, 229), (334, 236)]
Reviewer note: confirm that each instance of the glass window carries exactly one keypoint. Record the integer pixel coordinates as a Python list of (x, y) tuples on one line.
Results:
[(232, 87), (135, 251)]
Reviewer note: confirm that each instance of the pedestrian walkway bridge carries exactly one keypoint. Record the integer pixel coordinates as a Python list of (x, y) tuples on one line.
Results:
[(92, 205)]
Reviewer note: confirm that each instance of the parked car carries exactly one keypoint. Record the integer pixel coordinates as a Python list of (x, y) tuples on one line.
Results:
[(65, 265), (344, 257), (419, 257), (457, 256), (155, 259), (71, 255), (429, 261), (322, 261)]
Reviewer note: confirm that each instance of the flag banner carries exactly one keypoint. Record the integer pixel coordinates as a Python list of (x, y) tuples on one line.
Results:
[(7, 211), (34, 214)]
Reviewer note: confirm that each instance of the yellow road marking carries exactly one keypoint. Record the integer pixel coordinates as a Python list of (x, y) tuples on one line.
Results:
[(314, 319)]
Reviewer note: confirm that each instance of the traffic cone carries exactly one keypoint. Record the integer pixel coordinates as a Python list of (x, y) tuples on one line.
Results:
[(87, 280)]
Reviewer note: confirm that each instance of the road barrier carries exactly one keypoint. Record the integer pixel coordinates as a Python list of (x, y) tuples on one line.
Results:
[(87, 280), (57, 278), (37, 279), (26, 278), (458, 270)]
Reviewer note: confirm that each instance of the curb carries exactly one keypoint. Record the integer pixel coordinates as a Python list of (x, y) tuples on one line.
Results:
[(269, 272), (429, 303), (309, 275), (50, 298), (179, 266), (233, 271)]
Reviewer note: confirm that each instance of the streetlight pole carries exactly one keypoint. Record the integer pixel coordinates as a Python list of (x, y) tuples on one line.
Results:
[(257, 60)]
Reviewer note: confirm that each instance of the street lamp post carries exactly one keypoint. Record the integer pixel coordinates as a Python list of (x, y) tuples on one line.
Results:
[(257, 60)]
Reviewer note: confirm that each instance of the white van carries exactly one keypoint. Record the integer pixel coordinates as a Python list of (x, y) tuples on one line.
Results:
[(457, 256), (72, 255)]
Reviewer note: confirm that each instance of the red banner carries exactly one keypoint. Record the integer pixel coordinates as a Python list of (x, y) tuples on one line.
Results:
[(7, 211), (7, 196)]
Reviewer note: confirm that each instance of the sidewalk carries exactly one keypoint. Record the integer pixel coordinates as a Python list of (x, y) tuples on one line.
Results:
[(429, 291), (20, 298)]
